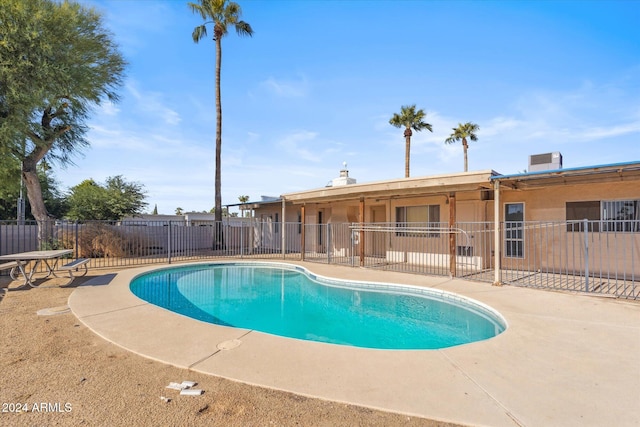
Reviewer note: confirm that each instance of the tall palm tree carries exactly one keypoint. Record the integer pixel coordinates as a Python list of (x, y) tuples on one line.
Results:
[(461, 133), (410, 119), (222, 14)]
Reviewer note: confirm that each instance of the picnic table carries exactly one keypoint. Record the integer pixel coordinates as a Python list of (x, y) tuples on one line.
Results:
[(18, 262)]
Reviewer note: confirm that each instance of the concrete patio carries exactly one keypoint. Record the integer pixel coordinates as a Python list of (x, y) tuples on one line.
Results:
[(565, 359)]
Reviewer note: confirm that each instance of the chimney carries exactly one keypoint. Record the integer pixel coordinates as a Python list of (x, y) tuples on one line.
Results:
[(343, 179)]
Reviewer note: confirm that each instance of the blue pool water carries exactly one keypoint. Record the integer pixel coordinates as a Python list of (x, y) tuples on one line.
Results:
[(287, 300)]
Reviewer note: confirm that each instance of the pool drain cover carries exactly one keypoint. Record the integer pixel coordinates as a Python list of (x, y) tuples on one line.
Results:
[(229, 345)]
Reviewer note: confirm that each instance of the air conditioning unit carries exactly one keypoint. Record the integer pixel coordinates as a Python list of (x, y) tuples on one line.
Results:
[(546, 161)]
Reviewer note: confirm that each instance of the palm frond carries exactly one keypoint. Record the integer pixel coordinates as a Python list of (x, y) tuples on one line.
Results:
[(410, 118), (463, 131), (222, 14), (244, 29), (198, 9), (199, 33)]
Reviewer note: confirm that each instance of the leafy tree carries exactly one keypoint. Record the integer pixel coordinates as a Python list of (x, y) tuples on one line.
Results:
[(461, 133), (125, 198), (57, 63), (179, 211), (54, 199), (410, 119), (112, 201), (9, 186), (222, 14)]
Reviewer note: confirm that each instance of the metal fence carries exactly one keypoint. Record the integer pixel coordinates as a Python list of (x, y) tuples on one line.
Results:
[(584, 256)]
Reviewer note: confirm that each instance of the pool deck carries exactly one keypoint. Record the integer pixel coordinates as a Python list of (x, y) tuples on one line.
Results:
[(565, 359)]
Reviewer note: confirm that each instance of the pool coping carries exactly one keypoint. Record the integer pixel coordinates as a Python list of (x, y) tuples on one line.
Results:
[(556, 345)]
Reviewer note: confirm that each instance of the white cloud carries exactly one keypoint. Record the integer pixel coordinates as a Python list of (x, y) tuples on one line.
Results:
[(300, 144), (152, 104), (108, 108), (287, 88), (594, 133)]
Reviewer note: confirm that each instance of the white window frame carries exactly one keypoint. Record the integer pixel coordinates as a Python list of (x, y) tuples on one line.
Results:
[(511, 227), (428, 222)]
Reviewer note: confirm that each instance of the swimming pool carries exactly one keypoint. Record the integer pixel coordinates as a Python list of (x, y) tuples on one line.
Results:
[(288, 300)]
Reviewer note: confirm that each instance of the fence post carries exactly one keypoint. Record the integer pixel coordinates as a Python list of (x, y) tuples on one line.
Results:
[(169, 243), (329, 243), (77, 238), (283, 232), (303, 227), (586, 254), (242, 237)]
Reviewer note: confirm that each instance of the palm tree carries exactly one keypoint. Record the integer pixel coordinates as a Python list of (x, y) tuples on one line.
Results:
[(222, 14), (410, 119), (461, 133)]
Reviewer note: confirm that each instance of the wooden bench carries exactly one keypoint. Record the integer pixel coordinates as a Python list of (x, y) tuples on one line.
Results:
[(74, 268)]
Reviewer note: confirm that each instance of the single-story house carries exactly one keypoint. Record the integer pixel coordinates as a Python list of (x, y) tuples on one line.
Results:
[(539, 215)]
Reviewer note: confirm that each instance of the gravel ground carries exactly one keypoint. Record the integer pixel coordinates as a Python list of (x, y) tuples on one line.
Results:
[(56, 372)]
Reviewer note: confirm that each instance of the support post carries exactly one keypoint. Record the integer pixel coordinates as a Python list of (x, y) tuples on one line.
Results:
[(497, 254), (361, 213), (452, 235)]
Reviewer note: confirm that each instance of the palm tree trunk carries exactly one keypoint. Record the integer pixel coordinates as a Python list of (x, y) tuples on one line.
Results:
[(464, 148), (407, 151), (218, 238)]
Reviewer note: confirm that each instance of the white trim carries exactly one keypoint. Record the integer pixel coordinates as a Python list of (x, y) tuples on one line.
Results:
[(504, 240)]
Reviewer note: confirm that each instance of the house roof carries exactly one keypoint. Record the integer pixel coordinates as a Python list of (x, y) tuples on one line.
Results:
[(434, 184), (580, 175), (463, 181)]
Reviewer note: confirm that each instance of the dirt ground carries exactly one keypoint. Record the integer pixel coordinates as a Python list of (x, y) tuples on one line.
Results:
[(56, 372)]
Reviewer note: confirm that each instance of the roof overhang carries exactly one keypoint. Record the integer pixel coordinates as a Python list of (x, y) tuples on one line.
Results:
[(583, 175), (429, 185)]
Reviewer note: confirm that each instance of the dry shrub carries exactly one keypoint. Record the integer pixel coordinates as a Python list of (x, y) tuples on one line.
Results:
[(102, 240)]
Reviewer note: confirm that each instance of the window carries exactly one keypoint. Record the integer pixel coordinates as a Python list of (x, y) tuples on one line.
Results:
[(418, 216), (606, 215), (621, 215), (276, 224), (514, 230), (579, 211)]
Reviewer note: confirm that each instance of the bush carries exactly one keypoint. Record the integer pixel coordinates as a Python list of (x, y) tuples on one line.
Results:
[(103, 240)]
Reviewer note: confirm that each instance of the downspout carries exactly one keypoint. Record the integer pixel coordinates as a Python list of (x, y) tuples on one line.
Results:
[(497, 255)]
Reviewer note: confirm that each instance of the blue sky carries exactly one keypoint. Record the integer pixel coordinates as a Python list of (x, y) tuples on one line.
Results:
[(318, 82)]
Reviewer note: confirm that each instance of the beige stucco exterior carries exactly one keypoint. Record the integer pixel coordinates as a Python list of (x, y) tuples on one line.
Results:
[(466, 202)]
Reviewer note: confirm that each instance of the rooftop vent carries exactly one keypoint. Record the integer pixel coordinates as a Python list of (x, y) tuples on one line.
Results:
[(343, 179), (546, 161)]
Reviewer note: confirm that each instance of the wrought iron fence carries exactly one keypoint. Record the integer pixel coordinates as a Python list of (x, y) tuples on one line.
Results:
[(584, 256)]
